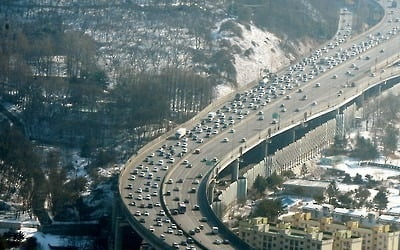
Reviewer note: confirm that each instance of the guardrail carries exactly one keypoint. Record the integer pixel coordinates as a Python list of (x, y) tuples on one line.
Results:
[(144, 233)]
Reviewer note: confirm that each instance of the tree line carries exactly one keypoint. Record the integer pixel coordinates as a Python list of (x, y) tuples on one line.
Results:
[(70, 101)]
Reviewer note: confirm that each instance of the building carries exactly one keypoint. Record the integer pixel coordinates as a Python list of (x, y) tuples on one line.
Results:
[(260, 235), (305, 187), (374, 236)]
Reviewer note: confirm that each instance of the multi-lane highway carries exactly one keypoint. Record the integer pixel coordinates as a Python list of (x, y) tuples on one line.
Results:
[(169, 171)]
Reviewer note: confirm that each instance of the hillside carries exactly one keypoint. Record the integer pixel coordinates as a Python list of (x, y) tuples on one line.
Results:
[(100, 60)]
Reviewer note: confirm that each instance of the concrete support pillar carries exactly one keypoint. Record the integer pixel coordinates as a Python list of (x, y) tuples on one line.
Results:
[(340, 125), (117, 234), (268, 166), (211, 191), (242, 189), (235, 170), (217, 208)]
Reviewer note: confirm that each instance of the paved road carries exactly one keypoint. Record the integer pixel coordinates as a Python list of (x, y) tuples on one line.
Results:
[(250, 127)]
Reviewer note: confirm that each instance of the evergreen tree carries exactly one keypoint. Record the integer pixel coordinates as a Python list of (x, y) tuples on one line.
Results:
[(260, 184), (332, 191), (381, 199)]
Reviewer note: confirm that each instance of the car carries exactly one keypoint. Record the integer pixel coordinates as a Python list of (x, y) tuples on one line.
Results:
[(176, 189), (225, 139), (317, 85), (132, 204), (192, 190), (260, 118), (274, 121), (168, 193), (314, 103), (334, 76), (217, 242), (243, 139), (304, 98), (138, 213), (170, 231), (203, 219), (170, 181), (232, 131), (196, 207), (179, 181), (192, 232), (196, 182), (176, 198), (197, 151)]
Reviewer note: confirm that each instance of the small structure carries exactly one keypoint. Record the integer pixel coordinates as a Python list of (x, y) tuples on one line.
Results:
[(305, 187)]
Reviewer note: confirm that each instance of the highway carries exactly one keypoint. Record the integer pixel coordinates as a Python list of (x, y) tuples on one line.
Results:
[(326, 90)]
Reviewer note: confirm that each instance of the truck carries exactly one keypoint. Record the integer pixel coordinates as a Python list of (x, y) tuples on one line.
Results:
[(181, 207), (180, 132), (214, 230)]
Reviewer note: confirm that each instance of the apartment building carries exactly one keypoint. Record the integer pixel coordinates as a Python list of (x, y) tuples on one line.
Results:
[(260, 235), (373, 236)]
